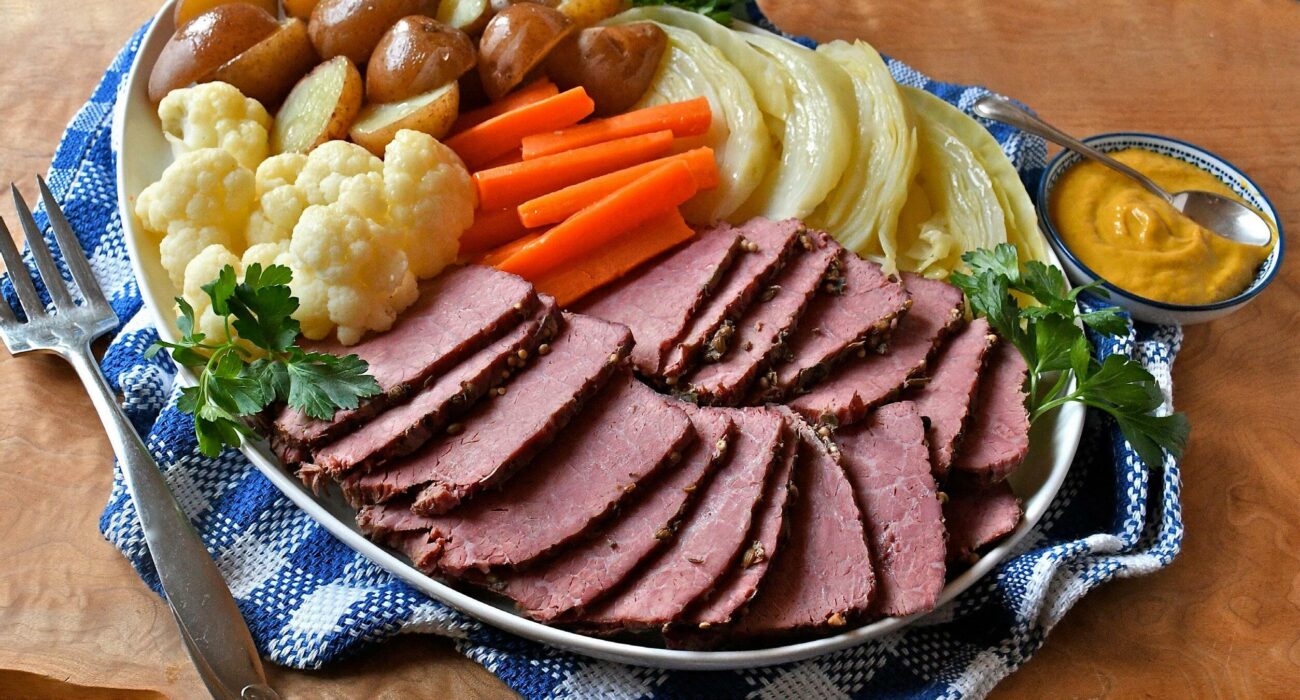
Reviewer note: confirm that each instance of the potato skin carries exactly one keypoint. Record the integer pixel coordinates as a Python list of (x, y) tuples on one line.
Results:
[(299, 8), (416, 55), (378, 124), (346, 103), (352, 28), (614, 64), (517, 40), (187, 10), (268, 69), (206, 42)]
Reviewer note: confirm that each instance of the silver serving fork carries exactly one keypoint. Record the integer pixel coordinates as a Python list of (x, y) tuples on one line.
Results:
[(210, 623)]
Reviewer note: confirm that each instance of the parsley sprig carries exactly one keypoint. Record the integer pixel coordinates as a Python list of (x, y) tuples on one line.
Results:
[(1056, 347), (235, 381)]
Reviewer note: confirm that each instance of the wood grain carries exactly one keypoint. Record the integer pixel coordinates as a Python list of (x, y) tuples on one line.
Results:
[(1222, 621)]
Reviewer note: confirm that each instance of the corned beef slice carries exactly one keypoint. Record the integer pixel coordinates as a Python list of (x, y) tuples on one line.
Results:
[(764, 325), (590, 567), (857, 386), (766, 534), (946, 398), (457, 313), (618, 441), (997, 438), (402, 429), (822, 576), (889, 464), (768, 245), (977, 516), (838, 325), (658, 301), (504, 433), (709, 540)]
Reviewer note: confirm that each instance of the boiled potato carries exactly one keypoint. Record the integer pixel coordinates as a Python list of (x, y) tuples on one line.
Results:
[(517, 40), (469, 16), (207, 42), (500, 5), (268, 70), (614, 64), (415, 56), (321, 107), (187, 10), (585, 13), (352, 27), (432, 112), (299, 8)]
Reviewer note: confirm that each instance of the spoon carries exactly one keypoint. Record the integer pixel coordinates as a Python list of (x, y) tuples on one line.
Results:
[(1221, 215)]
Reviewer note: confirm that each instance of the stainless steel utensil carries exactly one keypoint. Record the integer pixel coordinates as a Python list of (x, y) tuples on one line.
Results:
[(1222, 215), (210, 623)]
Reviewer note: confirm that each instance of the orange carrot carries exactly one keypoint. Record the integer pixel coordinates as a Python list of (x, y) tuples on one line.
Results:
[(557, 206), (619, 213), (492, 228), (570, 282), (688, 118), (499, 255), (508, 159), (501, 134), (511, 184), (535, 91)]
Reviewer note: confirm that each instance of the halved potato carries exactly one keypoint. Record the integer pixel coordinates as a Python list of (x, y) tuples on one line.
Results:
[(517, 40), (416, 55), (268, 70), (187, 10), (432, 112), (321, 107), (469, 16), (299, 8), (207, 42), (585, 13), (352, 28)]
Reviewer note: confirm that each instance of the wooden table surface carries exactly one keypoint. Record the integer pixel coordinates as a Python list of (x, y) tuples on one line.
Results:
[(1223, 620)]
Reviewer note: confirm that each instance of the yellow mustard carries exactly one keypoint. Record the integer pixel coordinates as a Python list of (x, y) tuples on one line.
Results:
[(1139, 243)]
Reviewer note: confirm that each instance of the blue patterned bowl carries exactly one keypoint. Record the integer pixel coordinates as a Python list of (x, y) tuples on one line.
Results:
[(1142, 308)]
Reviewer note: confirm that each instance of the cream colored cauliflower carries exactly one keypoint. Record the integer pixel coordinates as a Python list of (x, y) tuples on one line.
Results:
[(279, 201), (431, 199), (216, 115), (204, 268), (204, 198)]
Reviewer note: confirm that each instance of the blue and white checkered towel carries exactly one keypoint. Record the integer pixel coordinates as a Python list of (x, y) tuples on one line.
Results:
[(310, 600)]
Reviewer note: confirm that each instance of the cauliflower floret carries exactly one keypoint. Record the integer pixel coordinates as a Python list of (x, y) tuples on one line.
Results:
[(202, 269), (279, 201), (340, 171), (202, 199), (347, 272), (431, 199), (216, 115)]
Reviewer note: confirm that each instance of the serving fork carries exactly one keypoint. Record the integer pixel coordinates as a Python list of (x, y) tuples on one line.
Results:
[(210, 623)]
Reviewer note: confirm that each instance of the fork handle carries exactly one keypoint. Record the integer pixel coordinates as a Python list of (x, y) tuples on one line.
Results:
[(210, 623)]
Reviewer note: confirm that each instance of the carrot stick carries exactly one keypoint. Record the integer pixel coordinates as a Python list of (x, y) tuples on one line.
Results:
[(509, 185), (572, 281), (508, 159), (499, 255), (492, 228), (501, 134), (535, 91), (619, 213), (688, 118), (557, 206)]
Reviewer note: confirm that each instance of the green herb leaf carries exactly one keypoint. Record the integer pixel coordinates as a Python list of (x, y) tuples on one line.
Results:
[(319, 383)]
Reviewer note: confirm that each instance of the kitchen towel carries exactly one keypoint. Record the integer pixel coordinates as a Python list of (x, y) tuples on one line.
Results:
[(310, 600)]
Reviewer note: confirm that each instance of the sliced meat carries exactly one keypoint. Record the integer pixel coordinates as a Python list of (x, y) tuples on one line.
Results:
[(997, 438), (458, 312), (889, 464), (977, 516), (590, 568), (659, 301), (945, 399), (759, 332), (822, 577), (710, 539), (768, 244), (404, 428), (854, 316), (860, 385), (501, 435), (765, 539), (621, 439)]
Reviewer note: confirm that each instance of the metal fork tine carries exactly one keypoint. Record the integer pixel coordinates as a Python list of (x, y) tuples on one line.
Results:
[(7, 316), (73, 254), (54, 283), (19, 276)]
